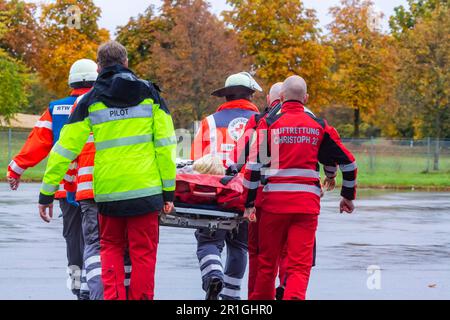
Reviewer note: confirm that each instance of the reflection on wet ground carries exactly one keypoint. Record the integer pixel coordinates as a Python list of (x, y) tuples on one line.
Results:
[(405, 234)]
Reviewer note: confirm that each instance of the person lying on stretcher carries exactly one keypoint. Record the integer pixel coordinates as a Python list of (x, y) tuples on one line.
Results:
[(211, 167)]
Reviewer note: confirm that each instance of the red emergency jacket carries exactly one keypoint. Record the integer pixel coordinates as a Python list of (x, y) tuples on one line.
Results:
[(240, 154), (286, 159), (220, 131), (38, 146)]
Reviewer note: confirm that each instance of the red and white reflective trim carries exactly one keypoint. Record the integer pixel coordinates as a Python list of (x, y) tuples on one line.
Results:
[(73, 166), (84, 186), (292, 187), (85, 171), (212, 134), (69, 178), (44, 124), (61, 187), (14, 167), (348, 167), (300, 173)]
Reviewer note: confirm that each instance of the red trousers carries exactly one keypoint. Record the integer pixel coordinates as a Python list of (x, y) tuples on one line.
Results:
[(253, 243), (140, 235), (283, 263), (296, 232)]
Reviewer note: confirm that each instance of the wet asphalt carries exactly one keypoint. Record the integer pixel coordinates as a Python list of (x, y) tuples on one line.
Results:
[(396, 246)]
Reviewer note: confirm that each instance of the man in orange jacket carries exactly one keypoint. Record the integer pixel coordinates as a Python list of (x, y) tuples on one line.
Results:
[(43, 137), (218, 136)]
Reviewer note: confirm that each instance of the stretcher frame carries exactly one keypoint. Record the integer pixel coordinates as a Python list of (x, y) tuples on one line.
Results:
[(195, 218)]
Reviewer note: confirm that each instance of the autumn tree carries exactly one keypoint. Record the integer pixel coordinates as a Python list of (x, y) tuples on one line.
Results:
[(71, 32), (21, 37), (139, 36), (365, 64), (281, 38), (424, 81), (189, 54)]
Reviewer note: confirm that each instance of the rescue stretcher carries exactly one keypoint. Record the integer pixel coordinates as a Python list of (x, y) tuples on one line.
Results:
[(190, 215), (200, 218)]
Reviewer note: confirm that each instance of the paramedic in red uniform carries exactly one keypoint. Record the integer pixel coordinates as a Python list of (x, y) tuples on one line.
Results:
[(289, 147), (241, 155), (218, 136)]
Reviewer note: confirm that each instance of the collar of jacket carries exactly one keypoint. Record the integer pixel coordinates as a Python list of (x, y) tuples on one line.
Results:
[(112, 70), (79, 92), (119, 87), (293, 105), (238, 104), (275, 103)]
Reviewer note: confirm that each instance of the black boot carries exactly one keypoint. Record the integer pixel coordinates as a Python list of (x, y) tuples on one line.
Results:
[(215, 286), (279, 293)]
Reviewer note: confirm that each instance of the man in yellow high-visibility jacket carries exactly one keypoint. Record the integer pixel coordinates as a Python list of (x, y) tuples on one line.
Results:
[(134, 170)]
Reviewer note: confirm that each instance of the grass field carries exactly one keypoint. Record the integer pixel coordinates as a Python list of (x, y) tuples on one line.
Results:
[(403, 170)]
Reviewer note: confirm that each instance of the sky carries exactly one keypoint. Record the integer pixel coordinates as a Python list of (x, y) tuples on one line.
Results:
[(117, 12)]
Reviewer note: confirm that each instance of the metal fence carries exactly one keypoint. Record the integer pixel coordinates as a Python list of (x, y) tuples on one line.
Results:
[(378, 159), (401, 155)]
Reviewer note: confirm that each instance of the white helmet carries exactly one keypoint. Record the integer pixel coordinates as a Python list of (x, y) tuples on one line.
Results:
[(83, 70), (242, 80)]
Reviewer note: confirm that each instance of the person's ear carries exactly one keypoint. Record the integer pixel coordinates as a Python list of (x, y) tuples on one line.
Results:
[(305, 100)]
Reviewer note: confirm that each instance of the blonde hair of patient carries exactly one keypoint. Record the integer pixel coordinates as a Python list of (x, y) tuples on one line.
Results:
[(209, 165)]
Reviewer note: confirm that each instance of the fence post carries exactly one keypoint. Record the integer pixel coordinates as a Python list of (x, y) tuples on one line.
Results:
[(428, 154), (372, 155), (9, 144), (437, 152)]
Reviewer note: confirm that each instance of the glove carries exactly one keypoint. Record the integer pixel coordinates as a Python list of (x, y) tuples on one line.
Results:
[(232, 170), (70, 197)]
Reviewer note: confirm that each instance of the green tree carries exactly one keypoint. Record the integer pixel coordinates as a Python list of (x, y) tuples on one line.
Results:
[(365, 64), (13, 86), (406, 18), (281, 38)]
